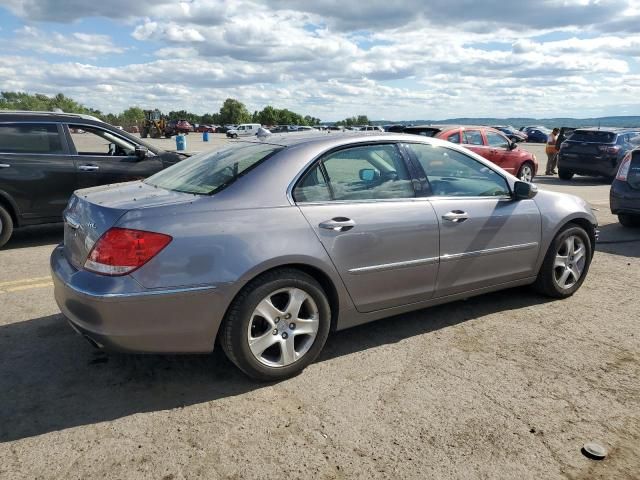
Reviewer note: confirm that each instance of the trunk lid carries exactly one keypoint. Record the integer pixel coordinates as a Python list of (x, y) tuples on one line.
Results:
[(93, 211)]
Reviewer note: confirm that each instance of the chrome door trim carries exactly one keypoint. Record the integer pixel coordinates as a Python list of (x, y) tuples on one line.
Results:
[(488, 251), (393, 266)]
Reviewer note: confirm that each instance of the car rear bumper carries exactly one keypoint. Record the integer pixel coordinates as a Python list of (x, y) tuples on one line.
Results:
[(116, 313), (588, 165), (623, 198)]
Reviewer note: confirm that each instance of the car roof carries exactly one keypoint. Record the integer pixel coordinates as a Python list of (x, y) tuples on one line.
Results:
[(607, 129), (442, 127)]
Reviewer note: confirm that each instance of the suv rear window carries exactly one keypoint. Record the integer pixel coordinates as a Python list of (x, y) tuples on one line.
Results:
[(594, 136), (211, 172), (42, 138)]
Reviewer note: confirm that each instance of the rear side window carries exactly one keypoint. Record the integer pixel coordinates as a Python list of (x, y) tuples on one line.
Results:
[(473, 137), (371, 172), (210, 172), (454, 138), (39, 138), (595, 136)]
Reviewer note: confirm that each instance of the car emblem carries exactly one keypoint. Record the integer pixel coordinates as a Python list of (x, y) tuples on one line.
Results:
[(91, 225)]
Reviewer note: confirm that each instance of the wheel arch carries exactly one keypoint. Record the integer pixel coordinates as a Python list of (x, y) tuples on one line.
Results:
[(11, 207), (319, 274)]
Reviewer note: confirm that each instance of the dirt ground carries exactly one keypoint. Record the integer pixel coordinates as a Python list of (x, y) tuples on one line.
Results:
[(508, 385)]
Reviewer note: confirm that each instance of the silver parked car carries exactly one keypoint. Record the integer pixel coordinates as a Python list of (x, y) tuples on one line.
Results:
[(267, 246)]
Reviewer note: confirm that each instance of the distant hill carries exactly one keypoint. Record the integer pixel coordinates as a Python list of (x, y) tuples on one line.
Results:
[(629, 121)]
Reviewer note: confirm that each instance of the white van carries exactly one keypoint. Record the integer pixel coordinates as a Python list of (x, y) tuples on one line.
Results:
[(243, 130)]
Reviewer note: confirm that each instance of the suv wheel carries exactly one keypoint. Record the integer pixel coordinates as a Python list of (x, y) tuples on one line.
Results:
[(629, 220), (6, 226), (566, 263), (565, 174), (526, 172), (277, 325)]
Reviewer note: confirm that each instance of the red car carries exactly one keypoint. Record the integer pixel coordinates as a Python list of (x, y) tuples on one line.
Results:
[(487, 142), (206, 128)]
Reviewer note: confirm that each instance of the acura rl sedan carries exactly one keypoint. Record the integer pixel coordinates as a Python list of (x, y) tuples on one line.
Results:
[(265, 247)]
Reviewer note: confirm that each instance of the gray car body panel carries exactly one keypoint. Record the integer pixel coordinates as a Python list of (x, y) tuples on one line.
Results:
[(221, 242)]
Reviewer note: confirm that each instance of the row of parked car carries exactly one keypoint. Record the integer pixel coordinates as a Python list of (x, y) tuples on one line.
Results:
[(43, 159)]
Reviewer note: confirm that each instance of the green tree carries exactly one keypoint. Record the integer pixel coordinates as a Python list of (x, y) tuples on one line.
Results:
[(268, 116), (131, 116), (234, 112)]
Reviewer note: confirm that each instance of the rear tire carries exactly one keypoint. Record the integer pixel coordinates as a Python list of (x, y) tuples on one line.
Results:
[(6, 226), (271, 360), (565, 174), (556, 277), (144, 133), (629, 220)]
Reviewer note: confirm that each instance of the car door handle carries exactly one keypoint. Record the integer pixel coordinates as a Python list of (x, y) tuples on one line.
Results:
[(455, 216), (5, 165), (88, 168), (338, 224)]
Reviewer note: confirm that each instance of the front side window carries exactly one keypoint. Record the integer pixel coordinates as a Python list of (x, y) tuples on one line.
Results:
[(210, 172), (40, 138), (473, 137), (370, 172), (454, 174), (92, 141), (496, 140)]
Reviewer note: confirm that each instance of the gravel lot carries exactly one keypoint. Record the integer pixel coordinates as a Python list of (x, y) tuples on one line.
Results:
[(509, 385)]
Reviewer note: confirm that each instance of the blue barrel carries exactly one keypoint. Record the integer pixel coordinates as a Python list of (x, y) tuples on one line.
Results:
[(205, 136), (181, 142)]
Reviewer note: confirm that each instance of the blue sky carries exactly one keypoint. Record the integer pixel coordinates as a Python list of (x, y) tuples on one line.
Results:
[(407, 59)]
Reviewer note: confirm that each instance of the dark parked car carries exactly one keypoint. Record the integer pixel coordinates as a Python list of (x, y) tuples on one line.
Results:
[(264, 247), (486, 141), (511, 133), (624, 196), (537, 134), (595, 151), (44, 158)]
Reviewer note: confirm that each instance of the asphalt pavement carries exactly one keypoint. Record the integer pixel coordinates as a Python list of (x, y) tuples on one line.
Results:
[(507, 385)]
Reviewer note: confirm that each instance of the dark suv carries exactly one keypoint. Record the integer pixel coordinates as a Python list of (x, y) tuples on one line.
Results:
[(45, 156), (595, 151), (625, 190)]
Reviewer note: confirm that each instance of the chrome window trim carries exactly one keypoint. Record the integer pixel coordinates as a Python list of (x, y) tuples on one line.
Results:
[(393, 266), (488, 251)]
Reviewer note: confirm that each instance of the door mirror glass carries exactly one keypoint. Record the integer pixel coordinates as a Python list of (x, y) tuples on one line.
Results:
[(367, 174), (524, 190), (141, 152), (513, 146)]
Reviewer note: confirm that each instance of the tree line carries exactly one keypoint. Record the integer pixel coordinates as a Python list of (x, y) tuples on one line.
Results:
[(232, 111)]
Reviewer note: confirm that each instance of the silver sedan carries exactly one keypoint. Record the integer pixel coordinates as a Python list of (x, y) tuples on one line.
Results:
[(266, 246)]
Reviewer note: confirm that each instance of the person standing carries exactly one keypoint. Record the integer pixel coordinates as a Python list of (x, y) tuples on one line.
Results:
[(552, 152)]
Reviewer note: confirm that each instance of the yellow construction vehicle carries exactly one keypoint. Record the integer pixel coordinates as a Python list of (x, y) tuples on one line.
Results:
[(155, 125)]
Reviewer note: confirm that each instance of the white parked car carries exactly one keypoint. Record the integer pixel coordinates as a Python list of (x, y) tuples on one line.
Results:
[(371, 128), (243, 130)]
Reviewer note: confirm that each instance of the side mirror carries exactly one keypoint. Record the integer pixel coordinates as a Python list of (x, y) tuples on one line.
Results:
[(512, 146), (141, 152), (524, 190), (367, 174)]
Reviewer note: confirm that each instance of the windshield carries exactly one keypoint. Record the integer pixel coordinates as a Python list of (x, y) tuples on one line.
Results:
[(210, 172)]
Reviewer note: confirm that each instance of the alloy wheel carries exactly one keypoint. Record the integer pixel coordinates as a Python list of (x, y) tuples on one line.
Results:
[(283, 327), (570, 261), (526, 173)]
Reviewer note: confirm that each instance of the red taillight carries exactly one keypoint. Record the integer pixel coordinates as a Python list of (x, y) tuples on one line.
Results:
[(122, 250), (623, 171)]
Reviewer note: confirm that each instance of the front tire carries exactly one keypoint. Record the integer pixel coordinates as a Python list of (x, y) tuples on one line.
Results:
[(277, 325), (566, 263), (6, 226), (565, 174), (526, 172), (629, 220)]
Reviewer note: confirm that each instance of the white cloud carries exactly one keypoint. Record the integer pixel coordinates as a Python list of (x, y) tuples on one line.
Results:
[(75, 45)]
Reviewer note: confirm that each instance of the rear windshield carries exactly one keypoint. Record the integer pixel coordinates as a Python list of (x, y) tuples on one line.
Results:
[(595, 136), (210, 172), (425, 132)]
